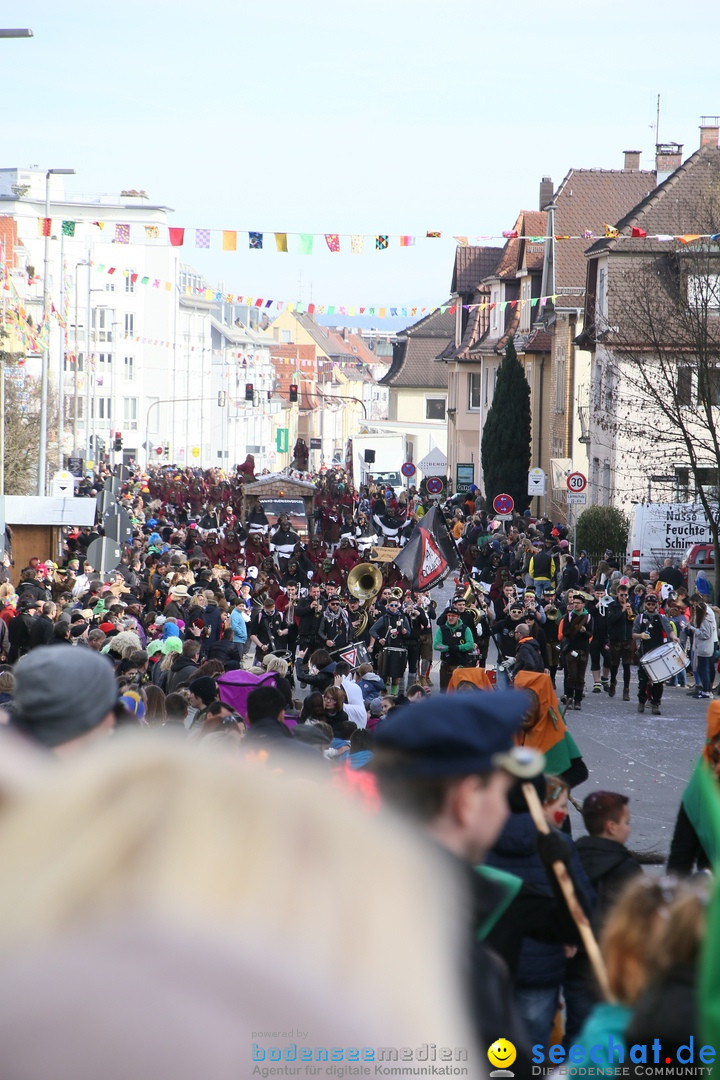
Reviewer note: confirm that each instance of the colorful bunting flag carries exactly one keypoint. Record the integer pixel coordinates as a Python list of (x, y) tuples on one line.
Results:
[(202, 238), (461, 241), (333, 241), (229, 242), (381, 242), (255, 241), (407, 241), (433, 235), (610, 231), (357, 244), (68, 228), (152, 232), (305, 243), (510, 234), (177, 237), (281, 241), (689, 238), (637, 232), (122, 234)]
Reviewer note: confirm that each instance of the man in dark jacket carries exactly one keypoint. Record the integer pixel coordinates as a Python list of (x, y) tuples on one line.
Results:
[(606, 860), (184, 667), (42, 626), (529, 655), (19, 628), (451, 771)]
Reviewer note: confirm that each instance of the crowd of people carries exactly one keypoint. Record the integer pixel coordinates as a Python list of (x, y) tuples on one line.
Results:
[(226, 640)]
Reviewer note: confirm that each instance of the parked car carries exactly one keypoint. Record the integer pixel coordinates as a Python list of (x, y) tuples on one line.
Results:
[(699, 557)]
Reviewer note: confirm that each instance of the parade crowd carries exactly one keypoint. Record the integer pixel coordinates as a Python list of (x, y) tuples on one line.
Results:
[(231, 640)]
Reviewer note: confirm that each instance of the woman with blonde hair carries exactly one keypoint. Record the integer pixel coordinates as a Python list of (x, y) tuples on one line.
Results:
[(629, 944), (145, 926)]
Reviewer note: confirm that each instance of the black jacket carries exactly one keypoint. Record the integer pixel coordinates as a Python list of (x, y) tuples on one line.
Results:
[(529, 656), (182, 672), (609, 865)]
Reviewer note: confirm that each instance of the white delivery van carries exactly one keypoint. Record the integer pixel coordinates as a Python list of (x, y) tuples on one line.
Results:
[(664, 530)]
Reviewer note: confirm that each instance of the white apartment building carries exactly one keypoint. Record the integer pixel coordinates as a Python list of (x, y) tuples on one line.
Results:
[(138, 344)]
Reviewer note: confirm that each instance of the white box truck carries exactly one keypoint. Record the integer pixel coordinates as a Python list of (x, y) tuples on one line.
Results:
[(389, 450), (664, 530)]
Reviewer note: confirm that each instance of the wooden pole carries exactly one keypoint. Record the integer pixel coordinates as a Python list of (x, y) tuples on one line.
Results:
[(568, 891)]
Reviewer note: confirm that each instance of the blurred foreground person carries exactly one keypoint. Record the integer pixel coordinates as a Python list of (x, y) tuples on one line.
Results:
[(145, 928)]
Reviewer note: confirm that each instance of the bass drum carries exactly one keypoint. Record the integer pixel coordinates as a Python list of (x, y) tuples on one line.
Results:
[(393, 662)]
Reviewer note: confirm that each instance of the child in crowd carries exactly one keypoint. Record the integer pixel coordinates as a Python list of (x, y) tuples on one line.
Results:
[(606, 860)]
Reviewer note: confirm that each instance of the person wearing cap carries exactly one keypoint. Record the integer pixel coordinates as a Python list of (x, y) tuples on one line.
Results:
[(20, 628), (504, 635), (456, 644), (651, 629), (391, 631), (576, 631), (267, 631), (64, 698), (451, 772), (599, 648), (620, 617)]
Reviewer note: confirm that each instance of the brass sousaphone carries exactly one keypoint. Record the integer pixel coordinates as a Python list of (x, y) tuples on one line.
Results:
[(364, 581)]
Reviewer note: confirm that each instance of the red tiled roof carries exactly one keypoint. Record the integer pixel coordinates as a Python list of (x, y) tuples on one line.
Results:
[(672, 208), (472, 265), (587, 199)]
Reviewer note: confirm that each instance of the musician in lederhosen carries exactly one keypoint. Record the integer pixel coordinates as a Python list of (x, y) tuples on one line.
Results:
[(391, 632), (268, 631)]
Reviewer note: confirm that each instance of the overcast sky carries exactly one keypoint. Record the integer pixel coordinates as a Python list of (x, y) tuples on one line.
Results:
[(398, 117)]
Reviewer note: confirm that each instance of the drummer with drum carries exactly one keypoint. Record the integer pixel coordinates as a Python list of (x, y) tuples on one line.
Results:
[(391, 631), (651, 630)]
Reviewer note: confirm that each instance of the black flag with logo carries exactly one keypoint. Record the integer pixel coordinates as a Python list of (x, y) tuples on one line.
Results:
[(430, 554)]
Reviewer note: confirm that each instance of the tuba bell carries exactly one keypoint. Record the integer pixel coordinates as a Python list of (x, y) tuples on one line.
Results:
[(364, 581)]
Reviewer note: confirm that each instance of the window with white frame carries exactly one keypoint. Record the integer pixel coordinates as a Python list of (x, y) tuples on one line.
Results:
[(525, 302), (704, 291), (495, 313), (129, 324), (110, 286), (129, 283), (130, 411), (434, 408), (474, 390), (560, 378), (102, 324), (100, 408), (601, 304), (129, 368), (286, 336)]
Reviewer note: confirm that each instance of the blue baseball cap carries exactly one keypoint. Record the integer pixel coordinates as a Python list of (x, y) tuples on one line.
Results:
[(476, 735)]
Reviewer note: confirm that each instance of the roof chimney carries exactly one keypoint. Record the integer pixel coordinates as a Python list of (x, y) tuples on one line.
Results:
[(709, 130), (668, 158), (632, 160), (546, 192)]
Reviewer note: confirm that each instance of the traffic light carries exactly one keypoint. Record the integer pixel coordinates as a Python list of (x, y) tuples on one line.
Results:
[(249, 392), (221, 398), (293, 392), (117, 444)]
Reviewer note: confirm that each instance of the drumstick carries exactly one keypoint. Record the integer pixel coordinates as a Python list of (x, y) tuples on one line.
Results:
[(568, 890)]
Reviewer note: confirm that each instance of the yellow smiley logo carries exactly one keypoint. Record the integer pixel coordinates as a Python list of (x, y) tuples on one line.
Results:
[(502, 1053)]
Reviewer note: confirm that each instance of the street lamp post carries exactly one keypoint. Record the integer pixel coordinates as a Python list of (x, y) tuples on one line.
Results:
[(42, 453)]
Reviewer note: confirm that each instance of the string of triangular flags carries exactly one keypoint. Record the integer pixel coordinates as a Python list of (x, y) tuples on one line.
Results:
[(307, 243), (381, 311)]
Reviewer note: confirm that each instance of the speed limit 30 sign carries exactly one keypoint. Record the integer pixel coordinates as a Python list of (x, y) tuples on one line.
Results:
[(576, 482)]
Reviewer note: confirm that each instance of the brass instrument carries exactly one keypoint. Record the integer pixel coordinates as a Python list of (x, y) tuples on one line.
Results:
[(397, 593), (475, 612), (364, 581)]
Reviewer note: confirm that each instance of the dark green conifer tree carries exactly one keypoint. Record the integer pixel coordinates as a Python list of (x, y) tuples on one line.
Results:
[(506, 435)]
